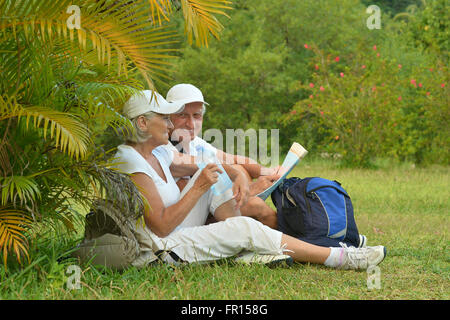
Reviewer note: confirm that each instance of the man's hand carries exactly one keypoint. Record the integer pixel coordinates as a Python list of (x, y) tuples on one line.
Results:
[(269, 171), (262, 183), (241, 190)]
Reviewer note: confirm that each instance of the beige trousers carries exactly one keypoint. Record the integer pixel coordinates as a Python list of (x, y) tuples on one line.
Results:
[(192, 241)]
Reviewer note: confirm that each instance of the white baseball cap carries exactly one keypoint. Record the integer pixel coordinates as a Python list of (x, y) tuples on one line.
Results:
[(148, 100), (185, 93)]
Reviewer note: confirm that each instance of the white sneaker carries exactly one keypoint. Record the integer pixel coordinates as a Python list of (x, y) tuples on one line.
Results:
[(269, 260), (362, 241), (361, 258)]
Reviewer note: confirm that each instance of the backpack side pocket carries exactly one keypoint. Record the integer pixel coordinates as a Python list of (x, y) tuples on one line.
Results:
[(335, 209)]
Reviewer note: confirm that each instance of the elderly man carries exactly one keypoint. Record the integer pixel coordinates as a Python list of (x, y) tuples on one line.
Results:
[(187, 126)]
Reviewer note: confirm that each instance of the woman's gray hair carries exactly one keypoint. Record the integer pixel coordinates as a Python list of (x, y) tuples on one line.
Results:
[(136, 135)]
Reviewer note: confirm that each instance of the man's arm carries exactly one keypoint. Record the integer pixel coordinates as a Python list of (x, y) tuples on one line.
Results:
[(254, 169), (262, 183), (183, 165), (241, 190)]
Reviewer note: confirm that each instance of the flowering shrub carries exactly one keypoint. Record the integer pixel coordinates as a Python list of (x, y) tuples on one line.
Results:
[(369, 107)]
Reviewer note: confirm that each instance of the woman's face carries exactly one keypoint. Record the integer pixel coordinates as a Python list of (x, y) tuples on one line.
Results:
[(158, 127)]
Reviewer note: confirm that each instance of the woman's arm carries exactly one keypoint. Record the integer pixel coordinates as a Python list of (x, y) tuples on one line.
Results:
[(162, 221)]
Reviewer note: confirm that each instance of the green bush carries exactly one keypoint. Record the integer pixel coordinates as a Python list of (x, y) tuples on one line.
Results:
[(393, 7), (429, 28), (368, 107)]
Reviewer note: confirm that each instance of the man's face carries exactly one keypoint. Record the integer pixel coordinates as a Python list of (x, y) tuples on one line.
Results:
[(188, 123)]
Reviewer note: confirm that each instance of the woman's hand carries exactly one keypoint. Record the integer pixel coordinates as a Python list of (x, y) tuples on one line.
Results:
[(208, 176)]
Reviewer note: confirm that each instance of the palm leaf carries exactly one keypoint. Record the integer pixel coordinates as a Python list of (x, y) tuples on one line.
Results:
[(18, 186), (200, 21), (24, 187), (160, 8), (114, 32), (13, 224), (97, 86), (69, 134), (122, 31), (5, 150)]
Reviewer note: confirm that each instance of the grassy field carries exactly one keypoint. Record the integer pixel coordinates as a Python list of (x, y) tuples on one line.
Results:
[(403, 208)]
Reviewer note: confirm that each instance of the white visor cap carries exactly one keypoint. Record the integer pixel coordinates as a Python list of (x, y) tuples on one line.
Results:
[(148, 100), (186, 93)]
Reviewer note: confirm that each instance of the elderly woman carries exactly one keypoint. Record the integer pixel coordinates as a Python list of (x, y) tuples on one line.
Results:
[(174, 221)]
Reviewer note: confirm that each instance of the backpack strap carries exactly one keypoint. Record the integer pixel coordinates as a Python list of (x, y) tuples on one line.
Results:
[(289, 198), (159, 254)]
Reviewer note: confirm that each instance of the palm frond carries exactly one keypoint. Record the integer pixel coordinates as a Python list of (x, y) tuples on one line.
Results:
[(99, 87), (122, 30), (160, 9), (5, 150), (13, 225), (69, 134), (200, 20), (25, 188), (117, 188)]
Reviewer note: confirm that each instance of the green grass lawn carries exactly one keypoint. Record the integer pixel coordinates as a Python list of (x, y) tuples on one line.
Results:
[(403, 208)]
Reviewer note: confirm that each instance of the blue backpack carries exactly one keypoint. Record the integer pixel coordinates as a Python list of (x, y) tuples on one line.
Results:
[(317, 211)]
